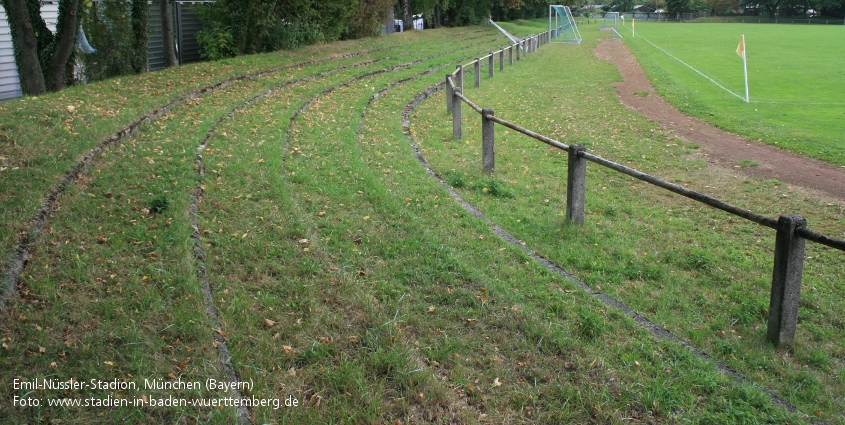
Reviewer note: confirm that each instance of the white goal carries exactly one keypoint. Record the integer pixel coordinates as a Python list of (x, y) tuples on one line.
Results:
[(562, 25), (611, 21)]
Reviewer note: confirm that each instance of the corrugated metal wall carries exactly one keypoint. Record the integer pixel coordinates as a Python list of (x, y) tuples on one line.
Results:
[(10, 83), (187, 26), (155, 45)]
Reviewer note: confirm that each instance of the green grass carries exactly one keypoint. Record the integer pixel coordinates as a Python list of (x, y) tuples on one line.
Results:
[(347, 278), (794, 80), (699, 273)]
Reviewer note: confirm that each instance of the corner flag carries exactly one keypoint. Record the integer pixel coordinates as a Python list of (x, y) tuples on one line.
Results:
[(740, 50)]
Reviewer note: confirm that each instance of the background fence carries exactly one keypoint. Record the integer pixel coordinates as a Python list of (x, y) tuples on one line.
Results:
[(791, 230)]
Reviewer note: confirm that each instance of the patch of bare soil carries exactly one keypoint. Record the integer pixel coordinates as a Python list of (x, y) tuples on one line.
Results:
[(724, 149)]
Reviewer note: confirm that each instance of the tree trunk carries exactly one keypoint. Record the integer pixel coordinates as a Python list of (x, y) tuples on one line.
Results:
[(167, 33), (66, 33), (26, 47), (407, 20), (140, 16)]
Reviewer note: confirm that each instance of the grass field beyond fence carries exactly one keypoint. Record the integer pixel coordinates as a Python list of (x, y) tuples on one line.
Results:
[(795, 77)]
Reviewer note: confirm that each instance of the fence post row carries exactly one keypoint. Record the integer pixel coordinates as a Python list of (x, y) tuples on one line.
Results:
[(786, 280), (576, 185), (449, 94), (456, 114), (477, 72), (490, 65), (488, 129), (789, 246)]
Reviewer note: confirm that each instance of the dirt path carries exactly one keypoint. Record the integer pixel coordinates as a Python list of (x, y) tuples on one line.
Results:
[(724, 149)]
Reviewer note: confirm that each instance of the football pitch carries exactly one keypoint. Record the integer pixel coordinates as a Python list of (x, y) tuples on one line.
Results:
[(796, 79)]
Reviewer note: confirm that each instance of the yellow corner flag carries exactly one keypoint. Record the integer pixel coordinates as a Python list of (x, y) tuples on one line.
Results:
[(740, 50), (633, 21)]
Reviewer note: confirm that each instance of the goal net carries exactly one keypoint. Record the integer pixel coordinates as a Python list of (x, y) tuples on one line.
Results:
[(562, 25), (611, 21)]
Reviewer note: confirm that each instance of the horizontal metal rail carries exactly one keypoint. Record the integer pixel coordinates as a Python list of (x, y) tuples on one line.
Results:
[(821, 239), (468, 102), (680, 190), (527, 132), (672, 187)]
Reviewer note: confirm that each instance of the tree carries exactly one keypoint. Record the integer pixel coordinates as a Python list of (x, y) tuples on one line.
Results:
[(30, 37), (368, 18), (167, 33), (25, 46), (140, 12), (62, 46), (677, 6), (407, 19)]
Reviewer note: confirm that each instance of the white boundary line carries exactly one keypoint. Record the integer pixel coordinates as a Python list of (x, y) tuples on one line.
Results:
[(690, 67), (729, 91)]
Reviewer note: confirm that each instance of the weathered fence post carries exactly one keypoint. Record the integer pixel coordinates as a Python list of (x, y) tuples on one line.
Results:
[(448, 93), (576, 185), (490, 66), (502, 59), (456, 114), (477, 72), (460, 75), (518, 48), (488, 157), (786, 280), (510, 55)]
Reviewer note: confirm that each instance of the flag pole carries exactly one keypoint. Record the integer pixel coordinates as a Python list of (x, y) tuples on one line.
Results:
[(745, 68)]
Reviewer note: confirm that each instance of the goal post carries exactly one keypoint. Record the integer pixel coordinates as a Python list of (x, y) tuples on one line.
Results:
[(562, 25), (611, 21)]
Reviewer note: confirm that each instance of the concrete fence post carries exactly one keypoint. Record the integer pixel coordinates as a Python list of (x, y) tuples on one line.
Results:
[(456, 114), (502, 60), (448, 94), (786, 280), (490, 66), (488, 157), (477, 72), (510, 55), (460, 76), (576, 185), (518, 48)]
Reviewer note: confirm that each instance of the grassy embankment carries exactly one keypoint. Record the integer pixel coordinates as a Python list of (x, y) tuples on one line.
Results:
[(343, 276)]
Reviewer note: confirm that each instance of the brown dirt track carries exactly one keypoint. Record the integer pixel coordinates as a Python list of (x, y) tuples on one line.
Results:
[(723, 148)]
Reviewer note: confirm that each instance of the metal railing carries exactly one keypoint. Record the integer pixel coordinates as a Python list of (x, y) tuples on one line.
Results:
[(791, 230)]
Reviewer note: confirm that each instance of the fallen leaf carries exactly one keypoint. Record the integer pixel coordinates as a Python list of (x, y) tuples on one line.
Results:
[(496, 382), (288, 349), (303, 241), (53, 365), (269, 323), (353, 339), (291, 372), (431, 309), (108, 363)]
